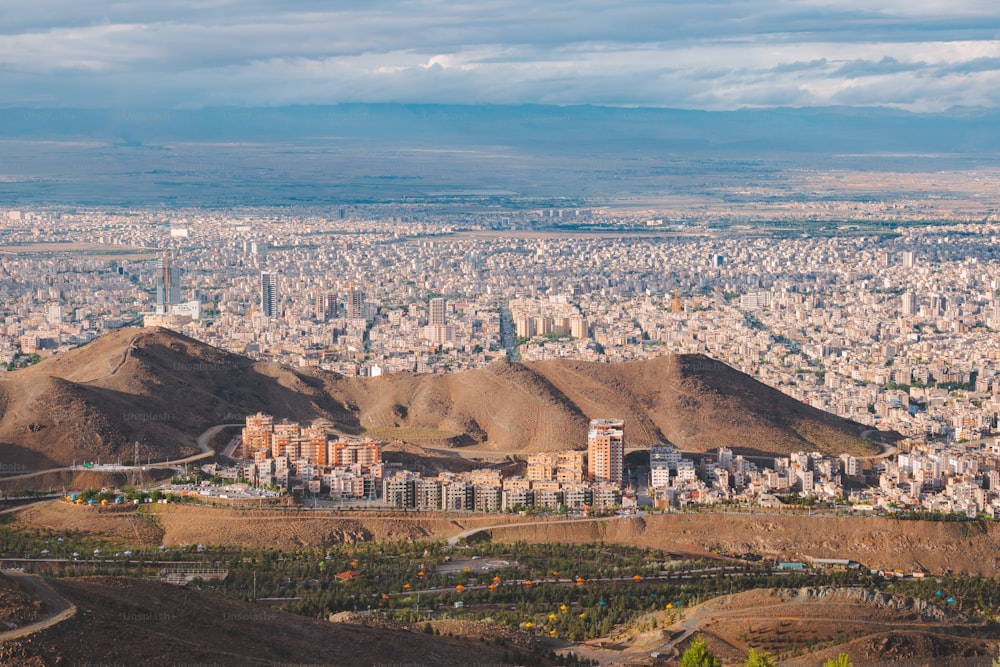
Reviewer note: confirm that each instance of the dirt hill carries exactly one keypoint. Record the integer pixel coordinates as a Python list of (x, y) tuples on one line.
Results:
[(153, 386), (163, 389), (17, 606), (690, 400), (132, 622)]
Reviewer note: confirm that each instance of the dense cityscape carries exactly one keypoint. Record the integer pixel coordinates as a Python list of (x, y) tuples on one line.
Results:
[(893, 330), (309, 462)]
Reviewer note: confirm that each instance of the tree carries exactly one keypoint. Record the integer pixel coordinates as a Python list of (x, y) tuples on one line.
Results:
[(760, 659), (842, 660), (698, 655)]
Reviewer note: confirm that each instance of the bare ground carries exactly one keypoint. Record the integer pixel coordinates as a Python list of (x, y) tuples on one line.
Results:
[(132, 622)]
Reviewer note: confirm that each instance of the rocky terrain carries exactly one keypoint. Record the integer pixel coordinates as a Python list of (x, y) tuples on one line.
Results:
[(162, 389), (18, 607)]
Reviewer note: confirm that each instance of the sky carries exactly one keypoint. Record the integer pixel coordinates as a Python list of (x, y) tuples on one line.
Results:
[(917, 55)]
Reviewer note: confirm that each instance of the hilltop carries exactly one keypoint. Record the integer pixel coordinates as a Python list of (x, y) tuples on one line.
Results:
[(163, 389), (153, 386), (692, 401)]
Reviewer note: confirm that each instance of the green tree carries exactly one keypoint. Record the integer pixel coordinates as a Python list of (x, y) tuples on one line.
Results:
[(698, 655), (842, 660), (760, 659)]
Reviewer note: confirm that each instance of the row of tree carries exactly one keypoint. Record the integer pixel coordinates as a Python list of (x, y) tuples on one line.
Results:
[(698, 655)]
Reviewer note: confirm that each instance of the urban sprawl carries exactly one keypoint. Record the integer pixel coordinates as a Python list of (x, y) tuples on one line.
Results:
[(895, 330), (287, 457)]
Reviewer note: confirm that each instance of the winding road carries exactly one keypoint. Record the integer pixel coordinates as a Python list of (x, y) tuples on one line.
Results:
[(202, 442), (58, 608), (453, 541)]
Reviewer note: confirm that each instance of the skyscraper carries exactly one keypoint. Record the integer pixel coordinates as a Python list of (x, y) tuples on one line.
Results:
[(909, 303), (355, 303), (606, 450), (168, 285), (269, 293), (326, 305), (437, 312)]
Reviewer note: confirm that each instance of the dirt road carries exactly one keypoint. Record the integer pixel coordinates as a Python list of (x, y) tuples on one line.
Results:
[(57, 608)]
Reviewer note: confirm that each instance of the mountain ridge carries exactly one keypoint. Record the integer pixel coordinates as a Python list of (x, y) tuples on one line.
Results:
[(163, 389)]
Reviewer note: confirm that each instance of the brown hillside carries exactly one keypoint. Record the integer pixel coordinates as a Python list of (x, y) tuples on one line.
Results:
[(504, 407), (18, 607), (163, 389), (153, 386), (690, 400), (699, 404), (132, 622)]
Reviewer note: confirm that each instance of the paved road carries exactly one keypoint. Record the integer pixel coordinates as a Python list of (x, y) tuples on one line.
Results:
[(453, 541), (57, 608), (202, 442), (210, 433)]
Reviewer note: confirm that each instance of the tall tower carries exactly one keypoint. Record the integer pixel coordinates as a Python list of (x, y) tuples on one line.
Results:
[(437, 312), (355, 303), (168, 284), (326, 304), (269, 293), (909, 303), (606, 450)]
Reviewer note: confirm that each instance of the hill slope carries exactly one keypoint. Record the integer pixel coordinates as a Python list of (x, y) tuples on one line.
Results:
[(153, 386), (690, 400), (169, 625), (163, 389)]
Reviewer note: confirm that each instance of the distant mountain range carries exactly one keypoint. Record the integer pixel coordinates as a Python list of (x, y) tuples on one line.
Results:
[(572, 129), (510, 156), (163, 389)]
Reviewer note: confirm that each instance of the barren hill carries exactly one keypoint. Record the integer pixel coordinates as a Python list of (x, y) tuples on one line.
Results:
[(170, 625), (163, 389), (695, 402), (153, 386)]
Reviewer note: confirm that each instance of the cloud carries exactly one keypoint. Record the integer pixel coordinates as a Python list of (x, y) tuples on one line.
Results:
[(716, 54)]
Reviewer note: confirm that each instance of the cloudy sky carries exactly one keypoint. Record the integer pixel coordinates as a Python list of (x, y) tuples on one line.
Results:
[(919, 55)]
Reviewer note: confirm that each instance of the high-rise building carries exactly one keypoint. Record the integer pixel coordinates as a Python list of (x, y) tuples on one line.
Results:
[(606, 450), (269, 294), (326, 305), (909, 259), (168, 284), (909, 303), (54, 313), (355, 303), (437, 308)]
